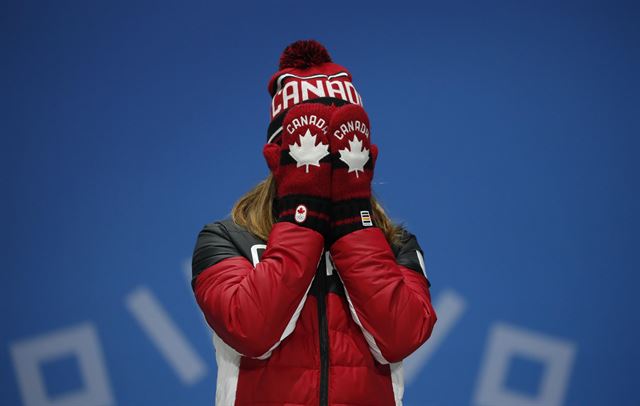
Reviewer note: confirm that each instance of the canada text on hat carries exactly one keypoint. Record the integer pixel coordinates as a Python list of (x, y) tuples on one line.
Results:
[(307, 74)]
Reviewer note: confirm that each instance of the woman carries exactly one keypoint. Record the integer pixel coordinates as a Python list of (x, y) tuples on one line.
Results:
[(313, 294)]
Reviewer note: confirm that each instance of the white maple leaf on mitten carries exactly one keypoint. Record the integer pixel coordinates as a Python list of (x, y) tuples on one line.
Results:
[(308, 153), (356, 156)]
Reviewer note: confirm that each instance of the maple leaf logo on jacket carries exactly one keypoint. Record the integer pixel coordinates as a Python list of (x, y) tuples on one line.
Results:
[(356, 156), (308, 153)]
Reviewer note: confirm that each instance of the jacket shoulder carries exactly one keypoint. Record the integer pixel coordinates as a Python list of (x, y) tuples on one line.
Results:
[(409, 253), (219, 240), (212, 246)]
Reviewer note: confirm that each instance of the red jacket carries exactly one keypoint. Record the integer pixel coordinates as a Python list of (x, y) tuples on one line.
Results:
[(297, 325)]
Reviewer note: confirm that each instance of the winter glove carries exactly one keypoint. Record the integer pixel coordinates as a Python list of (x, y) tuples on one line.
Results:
[(301, 165), (352, 159)]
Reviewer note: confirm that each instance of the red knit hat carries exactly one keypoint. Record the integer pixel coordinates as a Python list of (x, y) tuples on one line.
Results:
[(307, 74)]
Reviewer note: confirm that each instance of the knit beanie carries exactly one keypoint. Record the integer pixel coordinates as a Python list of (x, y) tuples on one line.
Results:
[(307, 74)]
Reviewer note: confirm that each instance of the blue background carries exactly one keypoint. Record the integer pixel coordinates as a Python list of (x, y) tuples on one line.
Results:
[(508, 136)]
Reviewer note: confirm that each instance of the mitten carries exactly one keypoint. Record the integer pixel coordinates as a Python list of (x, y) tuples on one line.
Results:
[(301, 166), (353, 159)]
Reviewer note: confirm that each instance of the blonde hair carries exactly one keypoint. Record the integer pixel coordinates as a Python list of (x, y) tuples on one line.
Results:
[(254, 211)]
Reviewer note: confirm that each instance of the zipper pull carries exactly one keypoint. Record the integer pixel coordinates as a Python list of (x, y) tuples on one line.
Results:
[(328, 262)]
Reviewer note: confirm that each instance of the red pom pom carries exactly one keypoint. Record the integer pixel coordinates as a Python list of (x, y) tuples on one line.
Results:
[(304, 54)]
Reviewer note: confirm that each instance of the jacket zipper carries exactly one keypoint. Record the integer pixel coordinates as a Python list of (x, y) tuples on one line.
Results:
[(324, 338)]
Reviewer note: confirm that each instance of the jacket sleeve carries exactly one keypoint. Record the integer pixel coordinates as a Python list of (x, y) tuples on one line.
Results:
[(253, 308), (388, 293)]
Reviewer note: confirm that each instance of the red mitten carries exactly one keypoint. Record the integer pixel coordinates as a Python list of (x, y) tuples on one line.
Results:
[(353, 159), (301, 165)]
